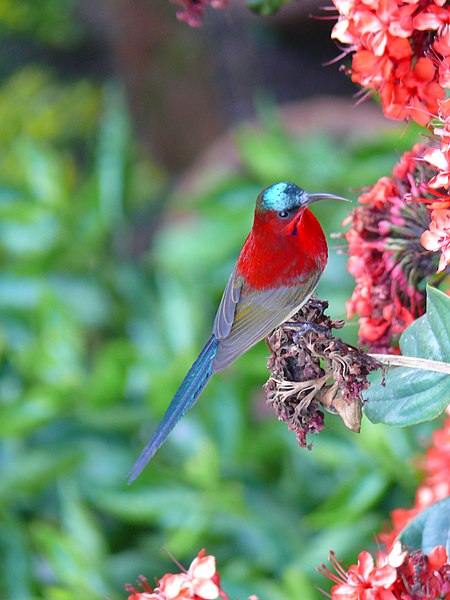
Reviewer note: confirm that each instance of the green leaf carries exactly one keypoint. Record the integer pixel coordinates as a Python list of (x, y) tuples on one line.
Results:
[(410, 396), (67, 562), (112, 157), (81, 525), (109, 373), (29, 473), (294, 580), (429, 529), (15, 552), (28, 413), (266, 7), (165, 504), (349, 501)]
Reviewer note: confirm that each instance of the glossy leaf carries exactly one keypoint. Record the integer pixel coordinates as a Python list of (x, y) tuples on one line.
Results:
[(410, 396), (429, 529)]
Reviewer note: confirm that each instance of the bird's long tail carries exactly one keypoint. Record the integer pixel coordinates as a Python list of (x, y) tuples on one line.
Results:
[(188, 392)]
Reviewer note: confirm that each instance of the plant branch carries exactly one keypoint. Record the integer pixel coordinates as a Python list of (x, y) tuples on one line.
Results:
[(412, 362)]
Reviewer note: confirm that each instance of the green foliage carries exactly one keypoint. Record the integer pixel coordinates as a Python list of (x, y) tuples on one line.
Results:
[(44, 120), (266, 7), (49, 21), (429, 529), (270, 154), (408, 396)]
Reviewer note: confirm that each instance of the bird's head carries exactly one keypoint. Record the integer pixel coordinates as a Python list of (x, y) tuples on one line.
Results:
[(282, 205)]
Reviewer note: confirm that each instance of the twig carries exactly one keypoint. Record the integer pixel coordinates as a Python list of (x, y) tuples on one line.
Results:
[(414, 363)]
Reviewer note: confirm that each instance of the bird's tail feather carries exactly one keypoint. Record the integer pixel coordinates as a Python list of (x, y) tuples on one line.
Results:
[(188, 392)]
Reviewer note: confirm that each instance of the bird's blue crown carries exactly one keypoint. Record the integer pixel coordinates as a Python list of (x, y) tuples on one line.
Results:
[(281, 196)]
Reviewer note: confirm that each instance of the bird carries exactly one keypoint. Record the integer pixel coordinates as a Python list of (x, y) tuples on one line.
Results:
[(278, 268)]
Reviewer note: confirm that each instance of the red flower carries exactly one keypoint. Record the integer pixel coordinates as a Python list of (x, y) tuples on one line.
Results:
[(199, 582), (401, 49), (365, 580), (422, 577), (415, 93), (440, 160), (385, 254), (396, 575), (437, 237)]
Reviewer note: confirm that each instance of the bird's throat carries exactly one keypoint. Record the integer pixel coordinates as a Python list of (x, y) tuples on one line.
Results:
[(270, 260)]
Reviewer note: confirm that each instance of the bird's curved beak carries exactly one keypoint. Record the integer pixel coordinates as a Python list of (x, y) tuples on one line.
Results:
[(308, 199)]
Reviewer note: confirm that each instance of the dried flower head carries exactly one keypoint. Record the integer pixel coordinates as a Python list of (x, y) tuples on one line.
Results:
[(310, 370), (424, 577)]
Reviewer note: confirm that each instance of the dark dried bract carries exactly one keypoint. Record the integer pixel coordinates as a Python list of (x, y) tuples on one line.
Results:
[(310, 370), (420, 579)]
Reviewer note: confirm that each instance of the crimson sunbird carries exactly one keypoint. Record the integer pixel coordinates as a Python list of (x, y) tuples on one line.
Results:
[(278, 269)]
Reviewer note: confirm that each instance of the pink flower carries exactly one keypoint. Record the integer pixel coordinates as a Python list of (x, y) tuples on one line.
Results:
[(396, 575), (199, 582), (366, 580), (440, 160), (437, 236), (437, 185)]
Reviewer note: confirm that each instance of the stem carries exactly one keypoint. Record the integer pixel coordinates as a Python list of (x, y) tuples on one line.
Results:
[(412, 362)]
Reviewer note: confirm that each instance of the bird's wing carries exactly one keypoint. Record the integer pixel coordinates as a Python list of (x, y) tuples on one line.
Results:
[(227, 307), (256, 314)]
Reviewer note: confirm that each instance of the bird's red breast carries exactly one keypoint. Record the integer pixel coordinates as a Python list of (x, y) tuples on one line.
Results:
[(278, 253)]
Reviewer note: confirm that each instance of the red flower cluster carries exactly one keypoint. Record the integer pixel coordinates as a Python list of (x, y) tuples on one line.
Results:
[(193, 11), (199, 582), (396, 575), (437, 237), (385, 255), (435, 485), (401, 49)]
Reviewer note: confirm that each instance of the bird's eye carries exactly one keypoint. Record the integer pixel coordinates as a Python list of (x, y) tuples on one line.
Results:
[(283, 214)]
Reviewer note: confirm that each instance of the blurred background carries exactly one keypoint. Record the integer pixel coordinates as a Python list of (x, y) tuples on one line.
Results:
[(132, 150)]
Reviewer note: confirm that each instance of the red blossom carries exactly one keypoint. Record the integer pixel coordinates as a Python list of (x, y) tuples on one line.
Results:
[(396, 575), (437, 237), (363, 581), (199, 582), (401, 49), (386, 257)]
